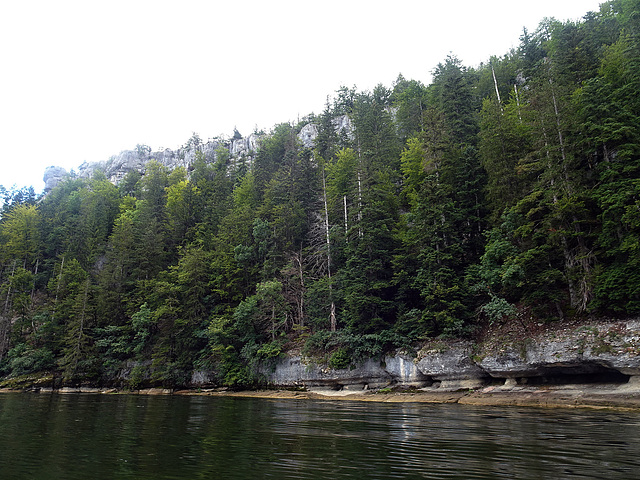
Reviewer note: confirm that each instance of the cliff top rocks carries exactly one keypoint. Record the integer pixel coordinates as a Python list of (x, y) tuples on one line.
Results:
[(240, 151)]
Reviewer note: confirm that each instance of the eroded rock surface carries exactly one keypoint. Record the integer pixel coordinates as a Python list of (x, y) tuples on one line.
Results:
[(299, 371), (605, 352)]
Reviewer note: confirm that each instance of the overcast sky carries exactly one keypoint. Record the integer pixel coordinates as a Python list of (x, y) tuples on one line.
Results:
[(84, 80)]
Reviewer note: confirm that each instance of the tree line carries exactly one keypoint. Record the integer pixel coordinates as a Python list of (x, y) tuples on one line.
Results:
[(499, 193)]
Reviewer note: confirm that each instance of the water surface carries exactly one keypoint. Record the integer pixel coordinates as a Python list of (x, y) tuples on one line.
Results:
[(44, 436)]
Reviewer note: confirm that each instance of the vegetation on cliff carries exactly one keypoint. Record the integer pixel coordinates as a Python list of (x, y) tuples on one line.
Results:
[(510, 187)]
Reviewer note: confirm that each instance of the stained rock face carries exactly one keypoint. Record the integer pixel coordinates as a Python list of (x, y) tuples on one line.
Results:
[(202, 377), (607, 352), (295, 371), (404, 370), (241, 151), (507, 364), (583, 350), (245, 147), (454, 363)]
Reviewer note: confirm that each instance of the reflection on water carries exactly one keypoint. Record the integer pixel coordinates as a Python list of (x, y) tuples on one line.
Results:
[(126, 436)]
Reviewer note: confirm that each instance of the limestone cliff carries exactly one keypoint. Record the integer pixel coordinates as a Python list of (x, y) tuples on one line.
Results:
[(240, 151), (602, 352)]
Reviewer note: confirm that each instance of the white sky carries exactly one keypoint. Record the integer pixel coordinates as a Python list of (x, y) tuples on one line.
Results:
[(84, 80)]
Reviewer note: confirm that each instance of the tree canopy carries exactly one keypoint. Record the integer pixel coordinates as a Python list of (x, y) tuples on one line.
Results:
[(420, 211)]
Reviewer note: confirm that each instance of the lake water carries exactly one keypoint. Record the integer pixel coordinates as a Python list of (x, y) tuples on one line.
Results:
[(44, 436)]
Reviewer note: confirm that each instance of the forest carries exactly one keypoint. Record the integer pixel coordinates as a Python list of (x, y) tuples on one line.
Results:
[(505, 192)]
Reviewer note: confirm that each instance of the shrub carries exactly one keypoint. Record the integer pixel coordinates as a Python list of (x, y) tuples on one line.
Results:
[(498, 308), (340, 359), (23, 360)]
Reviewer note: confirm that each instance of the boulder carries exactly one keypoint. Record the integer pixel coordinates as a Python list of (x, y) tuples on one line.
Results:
[(52, 177)]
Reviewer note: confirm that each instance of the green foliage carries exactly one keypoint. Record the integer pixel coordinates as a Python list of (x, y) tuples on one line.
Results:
[(498, 308), (20, 233), (410, 99), (357, 347), (367, 278), (504, 141), (270, 351), (452, 93), (137, 377), (421, 211), (233, 372), (141, 323), (340, 359), (23, 359)]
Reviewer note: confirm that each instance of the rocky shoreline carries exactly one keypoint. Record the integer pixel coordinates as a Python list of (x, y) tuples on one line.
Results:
[(583, 364), (596, 356), (575, 396), (612, 396)]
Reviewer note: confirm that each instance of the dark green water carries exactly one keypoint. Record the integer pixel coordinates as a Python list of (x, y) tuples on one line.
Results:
[(141, 437)]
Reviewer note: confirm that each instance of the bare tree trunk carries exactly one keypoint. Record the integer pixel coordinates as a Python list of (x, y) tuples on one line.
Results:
[(326, 220), (547, 152), (33, 287), (560, 138), (6, 301), (515, 88), (298, 259), (332, 314), (346, 222), (495, 84), (568, 257), (273, 323), (578, 259)]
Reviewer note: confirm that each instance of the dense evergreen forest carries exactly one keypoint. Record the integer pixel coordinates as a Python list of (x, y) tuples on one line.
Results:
[(501, 193)]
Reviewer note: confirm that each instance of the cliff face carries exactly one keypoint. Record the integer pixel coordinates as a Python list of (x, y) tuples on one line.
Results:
[(240, 151), (116, 167), (597, 353)]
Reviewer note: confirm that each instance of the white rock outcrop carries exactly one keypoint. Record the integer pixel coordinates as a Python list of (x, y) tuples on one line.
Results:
[(241, 152), (52, 176)]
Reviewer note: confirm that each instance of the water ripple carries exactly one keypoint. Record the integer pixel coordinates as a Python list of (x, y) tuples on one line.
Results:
[(132, 437)]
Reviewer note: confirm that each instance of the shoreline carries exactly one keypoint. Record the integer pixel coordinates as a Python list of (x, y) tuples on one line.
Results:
[(590, 396), (573, 396)]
